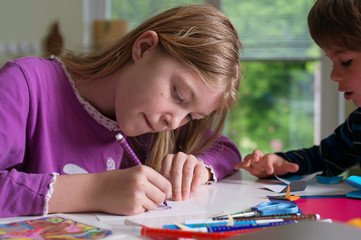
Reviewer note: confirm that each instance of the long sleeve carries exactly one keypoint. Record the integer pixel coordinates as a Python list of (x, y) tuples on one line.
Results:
[(23, 193), (221, 157), (335, 154), (19, 192), (44, 131)]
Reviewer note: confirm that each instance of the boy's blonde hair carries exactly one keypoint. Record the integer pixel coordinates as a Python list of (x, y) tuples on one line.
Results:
[(336, 22), (199, 36)]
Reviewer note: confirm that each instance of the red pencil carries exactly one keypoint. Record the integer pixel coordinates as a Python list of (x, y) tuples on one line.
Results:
[(173, 233)]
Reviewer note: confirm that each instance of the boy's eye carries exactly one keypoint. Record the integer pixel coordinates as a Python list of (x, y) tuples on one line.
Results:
[(346, 63)]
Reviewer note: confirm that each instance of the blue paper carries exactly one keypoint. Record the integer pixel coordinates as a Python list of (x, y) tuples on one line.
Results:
[(328, 180), (354, 181), (354, 194)]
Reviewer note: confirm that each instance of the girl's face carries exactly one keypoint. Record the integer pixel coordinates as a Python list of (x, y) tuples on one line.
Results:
[(346, 72), (157, 93)]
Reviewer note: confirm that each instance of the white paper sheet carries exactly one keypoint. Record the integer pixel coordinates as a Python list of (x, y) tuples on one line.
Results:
[(299, 185), (178, 208)]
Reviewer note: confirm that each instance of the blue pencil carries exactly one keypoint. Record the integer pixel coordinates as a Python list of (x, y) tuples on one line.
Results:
[(241, 227), (223, 223)]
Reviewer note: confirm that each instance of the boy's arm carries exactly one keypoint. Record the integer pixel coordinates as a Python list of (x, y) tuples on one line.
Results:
[(335, 154)]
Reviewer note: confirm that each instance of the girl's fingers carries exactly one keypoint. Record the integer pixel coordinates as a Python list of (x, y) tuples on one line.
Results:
[(201, 176), (166, 166), (176, 173), (188, 169), (161, 189), (153, 198)]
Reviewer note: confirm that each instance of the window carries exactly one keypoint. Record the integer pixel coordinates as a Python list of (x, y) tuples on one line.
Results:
[(276, 107), (275, 111), (137, 11)]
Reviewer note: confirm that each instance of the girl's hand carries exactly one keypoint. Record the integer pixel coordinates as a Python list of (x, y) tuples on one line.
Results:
[(124, 192), (263, 165), (185, 172)]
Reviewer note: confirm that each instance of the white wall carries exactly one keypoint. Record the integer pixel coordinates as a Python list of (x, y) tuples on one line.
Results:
[(27, 22)]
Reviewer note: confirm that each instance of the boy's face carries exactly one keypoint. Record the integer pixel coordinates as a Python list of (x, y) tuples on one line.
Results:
[(346, 72), (157, 93)]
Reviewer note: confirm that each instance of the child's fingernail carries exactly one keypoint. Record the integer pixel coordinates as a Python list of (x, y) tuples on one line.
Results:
[(177, 196), (185, 195)]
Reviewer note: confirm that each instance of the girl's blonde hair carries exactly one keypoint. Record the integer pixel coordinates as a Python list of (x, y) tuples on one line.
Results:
[(336, 22), (199, 36)]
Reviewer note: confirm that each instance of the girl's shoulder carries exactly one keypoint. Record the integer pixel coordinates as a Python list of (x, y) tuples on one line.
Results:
[(37, 61), (32, 65), (38, 75), (30, 60)]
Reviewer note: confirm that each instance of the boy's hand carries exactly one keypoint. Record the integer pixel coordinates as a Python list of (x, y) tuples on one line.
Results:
[(185, 172), (263, 165)]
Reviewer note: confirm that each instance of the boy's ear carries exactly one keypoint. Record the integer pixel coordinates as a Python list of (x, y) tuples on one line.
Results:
[(145, 42)]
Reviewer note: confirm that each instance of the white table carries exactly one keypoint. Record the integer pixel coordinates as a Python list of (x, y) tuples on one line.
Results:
[(238, 192)]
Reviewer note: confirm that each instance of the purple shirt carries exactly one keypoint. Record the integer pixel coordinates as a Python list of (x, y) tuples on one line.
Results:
[(46, 127)]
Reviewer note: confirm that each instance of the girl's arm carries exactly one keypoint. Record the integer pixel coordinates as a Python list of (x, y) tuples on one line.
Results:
[(20, 193), (222, 156)]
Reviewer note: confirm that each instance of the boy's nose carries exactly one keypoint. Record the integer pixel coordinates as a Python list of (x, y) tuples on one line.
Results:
[(335, 75)]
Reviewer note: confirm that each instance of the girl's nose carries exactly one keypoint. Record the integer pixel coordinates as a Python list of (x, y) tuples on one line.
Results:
[(174, 120)]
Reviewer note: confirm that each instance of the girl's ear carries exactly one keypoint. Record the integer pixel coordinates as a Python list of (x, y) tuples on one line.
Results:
[(145, 42)]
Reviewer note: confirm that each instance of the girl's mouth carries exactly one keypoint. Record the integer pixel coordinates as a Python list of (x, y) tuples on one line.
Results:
[(148, 123), (348, 95)]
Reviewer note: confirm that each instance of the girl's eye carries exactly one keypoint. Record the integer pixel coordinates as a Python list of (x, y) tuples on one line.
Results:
[(189, 116), (347, 63), (176, 96)]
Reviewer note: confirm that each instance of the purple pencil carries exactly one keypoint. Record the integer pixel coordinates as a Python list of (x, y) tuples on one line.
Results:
[(130, 152), (128, 149)]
